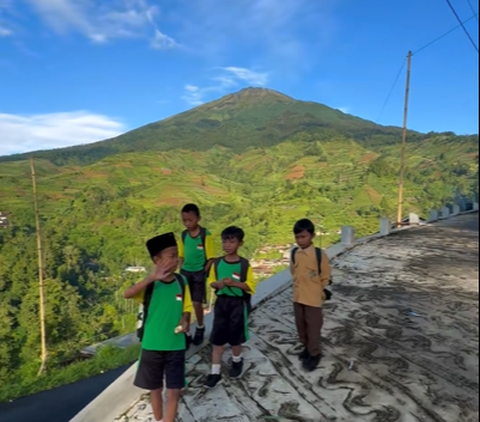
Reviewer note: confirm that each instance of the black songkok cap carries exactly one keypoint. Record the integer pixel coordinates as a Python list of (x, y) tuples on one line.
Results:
[(161, 242)]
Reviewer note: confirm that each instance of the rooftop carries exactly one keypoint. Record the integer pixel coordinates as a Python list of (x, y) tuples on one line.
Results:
[(400, 342)]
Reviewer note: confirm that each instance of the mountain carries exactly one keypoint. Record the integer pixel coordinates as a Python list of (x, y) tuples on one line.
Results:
[(252, 117), (257, 159)]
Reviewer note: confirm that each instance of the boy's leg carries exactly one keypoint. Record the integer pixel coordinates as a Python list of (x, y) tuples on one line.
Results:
[(197, 285), (175, 381), (314, 320), (238, 334), (156, 398), (218, 339), (149, 376), (299, 313)]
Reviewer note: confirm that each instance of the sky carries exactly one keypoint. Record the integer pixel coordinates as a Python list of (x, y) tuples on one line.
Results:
[(79, 71)]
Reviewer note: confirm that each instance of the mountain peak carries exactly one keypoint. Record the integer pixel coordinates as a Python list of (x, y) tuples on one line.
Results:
[(255, 92)]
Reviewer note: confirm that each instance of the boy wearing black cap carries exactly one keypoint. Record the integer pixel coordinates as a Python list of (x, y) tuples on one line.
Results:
[(166, 319), (232, 278)]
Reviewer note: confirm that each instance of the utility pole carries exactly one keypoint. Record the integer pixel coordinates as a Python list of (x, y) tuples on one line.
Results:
[(404, 142), (43, 335)]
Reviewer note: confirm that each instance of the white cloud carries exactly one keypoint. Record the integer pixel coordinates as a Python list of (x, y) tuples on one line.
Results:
[(230, 78), (247, 75), (5, 32), (104, 21), (345, 110), (22, 133)]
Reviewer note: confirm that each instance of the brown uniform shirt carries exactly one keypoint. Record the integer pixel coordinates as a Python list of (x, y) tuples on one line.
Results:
[(308, 285)]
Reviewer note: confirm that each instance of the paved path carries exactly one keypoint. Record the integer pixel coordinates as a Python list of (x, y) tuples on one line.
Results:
[(60, 404), (405, 312)]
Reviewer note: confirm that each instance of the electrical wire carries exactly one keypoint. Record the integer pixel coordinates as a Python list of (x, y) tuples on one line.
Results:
[(473, 9), (445, 34), (462, 25), (390, 92)]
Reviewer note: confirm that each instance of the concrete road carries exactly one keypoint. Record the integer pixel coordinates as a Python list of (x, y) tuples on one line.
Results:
[(400, 342), (60, 404)]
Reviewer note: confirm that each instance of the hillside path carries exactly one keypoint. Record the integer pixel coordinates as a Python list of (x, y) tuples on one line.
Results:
[(405, 312)]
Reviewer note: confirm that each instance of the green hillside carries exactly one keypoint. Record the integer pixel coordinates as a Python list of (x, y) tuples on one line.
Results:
[(253, 117), (257, 159)]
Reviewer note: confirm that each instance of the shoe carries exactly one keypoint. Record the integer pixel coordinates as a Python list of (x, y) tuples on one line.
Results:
[(236, 369), (199, 335), (311, 363), (212, 380), (303, 355)]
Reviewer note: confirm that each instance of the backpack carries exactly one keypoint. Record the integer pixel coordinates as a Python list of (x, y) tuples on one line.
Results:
[(143, 314), (203, 236), (318, 253), (244, 265)]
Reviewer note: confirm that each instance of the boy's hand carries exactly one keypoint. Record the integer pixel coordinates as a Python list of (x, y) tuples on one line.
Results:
[(184, 324), (217, 285), (228, 282), (160, 271)]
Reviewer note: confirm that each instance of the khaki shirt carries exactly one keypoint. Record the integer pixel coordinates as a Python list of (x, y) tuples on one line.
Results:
[(308, 285)]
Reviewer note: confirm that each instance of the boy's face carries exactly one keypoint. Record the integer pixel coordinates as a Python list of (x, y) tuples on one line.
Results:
[(169, 258), (304, 239), (190, 220), (230, 245)]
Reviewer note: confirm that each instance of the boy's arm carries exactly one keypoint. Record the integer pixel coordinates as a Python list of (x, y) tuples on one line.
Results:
[(326, 270), (250, 282), (137, 290), (181, 253), (187, 308), (290, 265), (209, 251), (248, 286)]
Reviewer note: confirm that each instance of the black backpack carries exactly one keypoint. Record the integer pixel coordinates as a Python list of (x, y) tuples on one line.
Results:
[(142, 316), (203, 236), (318, 253), (244, 265)]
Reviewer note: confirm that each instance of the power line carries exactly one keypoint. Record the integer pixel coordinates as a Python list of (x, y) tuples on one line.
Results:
[(445, 34), (391, 91), (473, 9), (461, 23), (417, 51)]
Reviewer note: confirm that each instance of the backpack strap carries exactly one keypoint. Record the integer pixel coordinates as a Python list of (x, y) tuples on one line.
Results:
[(292, 254), (181, 281), (184, 235), (319, 254), (142, 317), (247, 297)]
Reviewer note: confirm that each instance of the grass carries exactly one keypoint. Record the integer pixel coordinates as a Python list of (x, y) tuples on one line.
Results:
[(107, 358)]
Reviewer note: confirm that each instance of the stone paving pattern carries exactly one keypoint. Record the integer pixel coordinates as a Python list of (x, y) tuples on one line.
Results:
[(400, 342)]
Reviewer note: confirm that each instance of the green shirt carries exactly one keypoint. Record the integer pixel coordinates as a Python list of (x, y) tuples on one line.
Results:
[(164, 315), (194, 253), (229, 270)]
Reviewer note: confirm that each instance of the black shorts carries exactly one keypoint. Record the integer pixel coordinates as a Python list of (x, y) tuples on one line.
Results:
[(153, 366), (230, 324), (197, 284)]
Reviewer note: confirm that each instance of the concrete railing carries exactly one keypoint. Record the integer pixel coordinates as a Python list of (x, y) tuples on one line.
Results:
[(116, 399)]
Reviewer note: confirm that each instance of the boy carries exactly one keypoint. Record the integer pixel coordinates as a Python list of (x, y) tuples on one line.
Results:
[(232, 278), (167, 310), (309, 283), (195, 250)]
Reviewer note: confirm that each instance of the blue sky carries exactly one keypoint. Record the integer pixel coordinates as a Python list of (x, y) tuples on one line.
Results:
[(78, 71)]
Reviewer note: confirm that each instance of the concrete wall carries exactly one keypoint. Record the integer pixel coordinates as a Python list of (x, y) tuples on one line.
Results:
[(121, 394)]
